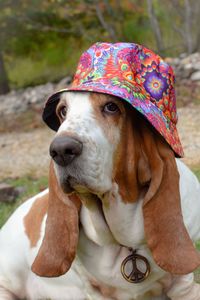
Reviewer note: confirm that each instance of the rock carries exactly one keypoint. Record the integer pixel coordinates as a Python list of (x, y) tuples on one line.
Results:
[(185, 66), (21, 189), (183, 55), (20, 101), (38, 94), (196, 65), (186, 72), (8, 193), (195, 76), (34, 98), (176, 61), (64, 83)]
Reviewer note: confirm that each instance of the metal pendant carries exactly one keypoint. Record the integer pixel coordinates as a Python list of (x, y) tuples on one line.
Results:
[(136, 275)]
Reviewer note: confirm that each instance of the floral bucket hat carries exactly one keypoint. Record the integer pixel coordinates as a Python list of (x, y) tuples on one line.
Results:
[(134, 74)]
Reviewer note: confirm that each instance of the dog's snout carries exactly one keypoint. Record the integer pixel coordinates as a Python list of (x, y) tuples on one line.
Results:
[(63, 150)]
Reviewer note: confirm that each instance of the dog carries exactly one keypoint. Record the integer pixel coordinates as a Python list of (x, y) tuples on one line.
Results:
[(117, 195)]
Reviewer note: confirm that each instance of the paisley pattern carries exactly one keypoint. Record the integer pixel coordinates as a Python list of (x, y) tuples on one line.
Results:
[(136, 75)]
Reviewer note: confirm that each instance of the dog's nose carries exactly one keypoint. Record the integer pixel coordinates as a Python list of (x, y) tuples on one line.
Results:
[(64, 149)]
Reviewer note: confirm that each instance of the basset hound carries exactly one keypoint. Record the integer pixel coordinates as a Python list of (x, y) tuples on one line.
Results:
[(120, 211)]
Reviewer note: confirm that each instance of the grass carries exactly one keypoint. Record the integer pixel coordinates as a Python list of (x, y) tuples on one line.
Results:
[(197, 172), (34, 72), (52, 63), (31, 187)]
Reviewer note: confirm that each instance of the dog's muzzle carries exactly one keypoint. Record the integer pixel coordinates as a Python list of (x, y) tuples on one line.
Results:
[(64, 150)]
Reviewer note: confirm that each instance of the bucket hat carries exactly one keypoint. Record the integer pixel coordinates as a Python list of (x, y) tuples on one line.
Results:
[(134, 74)]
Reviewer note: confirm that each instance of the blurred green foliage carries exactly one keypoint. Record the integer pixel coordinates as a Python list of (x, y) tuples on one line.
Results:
[(32, 187), (41, 40), (197, 172)]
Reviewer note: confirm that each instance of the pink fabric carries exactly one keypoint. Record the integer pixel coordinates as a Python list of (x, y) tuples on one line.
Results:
[(134, 74)]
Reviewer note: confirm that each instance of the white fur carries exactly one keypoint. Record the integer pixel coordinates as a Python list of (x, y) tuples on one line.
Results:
[(95, 163), (101, 249)]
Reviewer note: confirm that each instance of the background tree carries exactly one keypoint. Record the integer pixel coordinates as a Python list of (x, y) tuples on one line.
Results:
[(4, 84), (184, 17), (41, 40), (155, 26)]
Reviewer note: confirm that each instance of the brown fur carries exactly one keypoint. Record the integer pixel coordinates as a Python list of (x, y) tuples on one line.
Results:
[(126, 160), (104, 290), (166, 234), (33, 220), (127, 155), (144, 159), (58, 248)]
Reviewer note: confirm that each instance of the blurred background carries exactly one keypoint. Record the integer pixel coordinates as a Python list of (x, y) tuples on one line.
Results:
[(41, 40), (40, 44)]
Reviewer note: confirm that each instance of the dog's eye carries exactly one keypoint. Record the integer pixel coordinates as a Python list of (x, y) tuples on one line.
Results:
[(111, 108), (63, 112)]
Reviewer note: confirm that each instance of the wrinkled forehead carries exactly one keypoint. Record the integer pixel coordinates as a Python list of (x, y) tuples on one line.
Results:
[(86, 101), (85, 114), (85, 105), (77, 102)]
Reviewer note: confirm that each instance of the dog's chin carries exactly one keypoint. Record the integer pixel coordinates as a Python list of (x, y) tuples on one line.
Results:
[(70, 185), (66, 184), (66, 187)]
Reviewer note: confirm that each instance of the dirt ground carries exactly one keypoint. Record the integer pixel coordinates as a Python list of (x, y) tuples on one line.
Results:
[(26, 153)]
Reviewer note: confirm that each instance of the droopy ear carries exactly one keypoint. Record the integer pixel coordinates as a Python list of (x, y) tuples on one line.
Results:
[(126, 160), (165, 231), (58, 248)]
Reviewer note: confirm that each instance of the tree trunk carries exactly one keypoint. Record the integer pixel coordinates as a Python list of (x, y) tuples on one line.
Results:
[(4, 85), (104, 24), (196, 15), (188, 26), (155, 26)]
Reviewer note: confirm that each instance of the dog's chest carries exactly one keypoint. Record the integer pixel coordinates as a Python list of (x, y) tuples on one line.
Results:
[(125, 221), (105, 237)]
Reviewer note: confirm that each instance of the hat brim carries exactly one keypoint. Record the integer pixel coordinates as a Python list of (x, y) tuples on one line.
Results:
[(149, 110)]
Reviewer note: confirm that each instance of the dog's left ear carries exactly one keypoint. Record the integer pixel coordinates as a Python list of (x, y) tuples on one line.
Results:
[(59, 244), (167, 237)]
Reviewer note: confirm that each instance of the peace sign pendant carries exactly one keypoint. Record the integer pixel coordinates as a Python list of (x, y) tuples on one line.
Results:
[(136, 275)]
